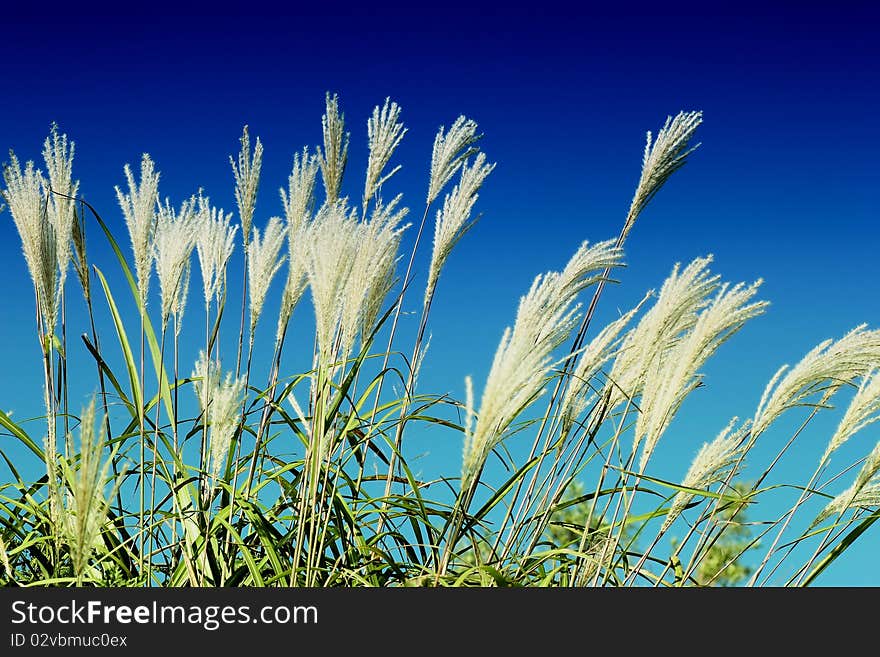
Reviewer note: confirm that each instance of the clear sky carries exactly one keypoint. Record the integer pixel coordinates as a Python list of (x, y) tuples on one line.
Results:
[(784, 186)]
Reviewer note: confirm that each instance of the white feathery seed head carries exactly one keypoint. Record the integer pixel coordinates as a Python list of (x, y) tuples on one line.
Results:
[(139, 209), (384, 133), (25, 195), (662, 157), (58, 156), (246, 172), (85, 503), (450, 151), (334, 157), (524, 359), (173, 243), (298, 202), (333, 241), (712, 464), (597, 353), (263, 263), (824, 370), (453, 220), (373, 271), (220, 400), (215, 241), (861, 492), (675, 374), (683, 294), (863, 409)]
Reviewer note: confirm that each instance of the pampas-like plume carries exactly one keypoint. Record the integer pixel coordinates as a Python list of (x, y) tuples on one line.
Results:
[(350, 267), (863, 409), (450, 151), (453, 220), (334, 157), (827, 367), (524, 359), (215, 241), (712, 464), (173, 242), (384, 133), (263, 263), (683, 294), (58, 155), (220, 400), (139, 209), (25, 193), (373, 271), (330, 249), (247, 180), (85, 504), (298, 202), (599, 351), (674, 375), (661, 159)]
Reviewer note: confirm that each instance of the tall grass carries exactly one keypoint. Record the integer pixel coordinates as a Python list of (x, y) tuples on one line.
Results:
[(302, 479)]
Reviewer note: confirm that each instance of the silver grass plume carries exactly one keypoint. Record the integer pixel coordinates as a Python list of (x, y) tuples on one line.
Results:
[(139, 209), (334, 157), (247, 180), (173, 243), (263, 263), (384, 133), (58, 156), (453, 220), (450, 151), (826, 367), (524, 359), (683, 294), (85, 504), (24, 194), (674, 375), (661, 159), (298, 202), (178, 306), (373, 271), (713, 463), (866, 480), (599, 351), (215, 242), (330, 248), (863, 409), (220, 399)]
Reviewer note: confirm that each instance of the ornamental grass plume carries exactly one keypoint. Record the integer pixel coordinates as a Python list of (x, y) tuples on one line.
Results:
[(334, 157), (220, 402), (673, 375), (827, 367), (298, 202), (683, 294), (863, 409), (215, 242), (263, 262), (450, 152), (139, 207), (661, 159), (715, 462), (524, 359), (174, 239), (246, 172), (58, 156), (384, 134), (453, 220), (85, 503), (24, 194)]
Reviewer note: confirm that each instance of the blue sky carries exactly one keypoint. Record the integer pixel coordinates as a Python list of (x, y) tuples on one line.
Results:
[(783, 187)]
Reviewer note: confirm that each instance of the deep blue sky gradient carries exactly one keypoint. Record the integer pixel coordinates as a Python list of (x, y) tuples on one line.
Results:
[(784, 186)]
